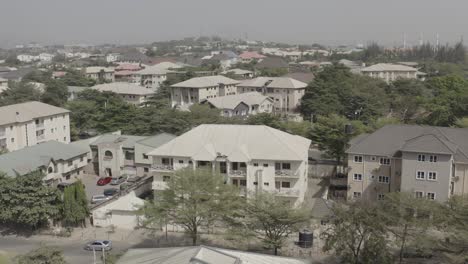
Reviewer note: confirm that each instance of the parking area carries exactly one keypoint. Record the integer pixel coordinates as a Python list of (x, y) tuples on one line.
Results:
[(91, 187)]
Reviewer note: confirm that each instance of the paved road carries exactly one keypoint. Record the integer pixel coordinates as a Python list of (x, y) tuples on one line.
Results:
[(73, 250)]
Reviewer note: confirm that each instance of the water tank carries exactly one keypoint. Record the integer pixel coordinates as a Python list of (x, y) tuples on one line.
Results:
[(306, 238)]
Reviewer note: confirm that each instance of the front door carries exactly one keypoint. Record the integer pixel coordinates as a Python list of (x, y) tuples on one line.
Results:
[(108, 172)]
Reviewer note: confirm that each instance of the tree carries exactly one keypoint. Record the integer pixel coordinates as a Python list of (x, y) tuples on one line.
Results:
[(194, 199), (55, 93), (357, 234), (77, 78), (407, 98), (19, 92), (42, 255), (75, 205), (270, 218), (265, 119)]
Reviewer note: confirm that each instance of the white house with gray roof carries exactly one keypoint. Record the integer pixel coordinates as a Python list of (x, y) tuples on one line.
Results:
[(430, 162), (59, 162), (31, 123), (242, 105), (254, 158), (285, 92), (391, 72), (198, 89), (130, 93)]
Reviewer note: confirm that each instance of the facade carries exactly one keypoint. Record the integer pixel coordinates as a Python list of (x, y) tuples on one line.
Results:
[(254, 158), (239, 73), (100, 74), (285, 92), (59, 162), (130, 93), (151, 77), (112, 57), (198, 89), (429, 162), (242, 105), (249, 56), (391, 72), (31, 123), (3, 84), (122, 213)]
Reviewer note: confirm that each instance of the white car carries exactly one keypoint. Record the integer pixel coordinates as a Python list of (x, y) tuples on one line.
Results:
[(99, 245), (99, 198)]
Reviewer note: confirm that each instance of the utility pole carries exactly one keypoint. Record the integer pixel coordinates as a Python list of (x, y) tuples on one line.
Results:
[(94, 255), (103, 256)]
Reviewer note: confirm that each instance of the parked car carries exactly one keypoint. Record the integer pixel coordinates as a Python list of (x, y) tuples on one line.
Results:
[(104, 181), (133, 179), (99, 198), (119, 180), (99, 245), (110, 191)]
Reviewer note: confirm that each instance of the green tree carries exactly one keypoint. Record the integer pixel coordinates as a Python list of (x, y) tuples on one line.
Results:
[(407, 98), (55, 93), (42, 255), (194, 199), (77, 78), (266, 119), (75, 205), (19, 92)]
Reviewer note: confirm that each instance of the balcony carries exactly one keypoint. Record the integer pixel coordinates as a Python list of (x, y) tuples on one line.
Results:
[(286, 192), (237, 173), (162, 167), (286, 174), (339, 181)]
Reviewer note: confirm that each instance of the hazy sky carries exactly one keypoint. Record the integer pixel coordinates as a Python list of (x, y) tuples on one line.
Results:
[(292, 21)]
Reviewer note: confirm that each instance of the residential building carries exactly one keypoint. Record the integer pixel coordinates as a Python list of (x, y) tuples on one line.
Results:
[(272, 63), (254, 158), (198, 89), (112, 57), (201, 254), (285, 92), (429, 162), (249, 56), (391, 72), (143, 162), (46, 57), (26, 58), (74, 90), (100, 74), (58, 161), (151, 77), (242, 105), (305, 77), (31, 123), (121, 212), (130, 93), (239, 73), (125, 71), (3, 84)]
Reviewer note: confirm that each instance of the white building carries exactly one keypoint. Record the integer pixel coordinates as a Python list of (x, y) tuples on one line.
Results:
[(151, 77), (101, 74), (391, 72), (242, 105), (198, 89), (31, 123), (3, 84), (112, 57), (26, 58), (121, 212), (46, 57), (130, 93), (255, 158)]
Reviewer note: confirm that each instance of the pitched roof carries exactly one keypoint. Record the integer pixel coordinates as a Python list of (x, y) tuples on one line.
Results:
[(274, 82), (123, 88), (152, 70), (96, 69), (232, 101), (128, 67), (156, 140), (272, 62), (31, 158), (128, 141), (16, 75), (251, 55), (305, 77), (201, 254), (390, 139), (206, 81), (245, 142), (384, 67), (27, 111), (238, 71)]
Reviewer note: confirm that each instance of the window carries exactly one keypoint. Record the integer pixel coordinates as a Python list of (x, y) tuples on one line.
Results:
[(243, 182), (266, 183), (165, 161), (431, 196), (166, 178), (432, 158), (356, 195), (70, 163), (145, 156), (418, 194), (108, 154), (380, 196), (265, 165), (65, 139), (255, 164), (146, 169), (432, 176), (285, 185), (357, 177), (384, 161), (384, 179), (420, 175), (181, 162), (50, 170), (129, 155), (421, 157), (255, 183), (286, 166), (81, 159), (358, 159), (373, 158), (12, 140)]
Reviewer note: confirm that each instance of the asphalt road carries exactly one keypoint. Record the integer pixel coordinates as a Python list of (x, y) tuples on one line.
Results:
[(72, 250)]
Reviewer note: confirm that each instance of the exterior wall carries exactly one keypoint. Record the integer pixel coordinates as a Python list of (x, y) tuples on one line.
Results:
[(189, 96), (284, 100), (114, 164), (150, 81), (392, 76), (134, 99), (460, 179), (143, 166), (443, 168)]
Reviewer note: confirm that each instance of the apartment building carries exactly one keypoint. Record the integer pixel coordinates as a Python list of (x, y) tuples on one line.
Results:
[(130, 93), (430, 162), (254, 158), (391, 72), (151, 77), (58, 161), (242, 105), (285, 92), (100, 74), (31, 123), (198, 89)]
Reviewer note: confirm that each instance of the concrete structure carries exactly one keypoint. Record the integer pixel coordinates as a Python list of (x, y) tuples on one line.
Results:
[(430, 162), (121, 212), (242, 105), (255, 158), (249, 56), (112, 57), (198, 89), (151, 77), (239, 73), (100, 74), (285, 92), (31, 123), (58, 161), (130, 93), (391, 72), (201, 255)]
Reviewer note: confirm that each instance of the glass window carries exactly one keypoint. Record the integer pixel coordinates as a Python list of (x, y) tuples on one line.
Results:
[(432, 158), (357, 177), (265, 165), (146, 169), (420, 175), (432, 175), (418, 194), (421, 157), (286, 166), (255, 164), (243, 182), (108, 154), (431, 196), (145, 156), (357, 158), (166, 178), (384, 179), (381, 196), (285, 185), (384, 161), (357, 195)]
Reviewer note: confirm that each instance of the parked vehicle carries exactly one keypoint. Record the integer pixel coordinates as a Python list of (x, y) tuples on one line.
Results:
[(99, 198), (119, 180), (104, 181), (99, 245), (110, 192)]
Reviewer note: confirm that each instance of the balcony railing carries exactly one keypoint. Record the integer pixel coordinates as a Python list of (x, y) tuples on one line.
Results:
[(237, 173), (286, 173), (162, 167)]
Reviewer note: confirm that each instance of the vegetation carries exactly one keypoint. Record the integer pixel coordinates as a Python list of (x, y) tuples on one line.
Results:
[(42, 255), (75, 205)]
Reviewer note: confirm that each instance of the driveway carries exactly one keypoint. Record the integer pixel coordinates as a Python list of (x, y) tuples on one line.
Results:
[(91, 187)]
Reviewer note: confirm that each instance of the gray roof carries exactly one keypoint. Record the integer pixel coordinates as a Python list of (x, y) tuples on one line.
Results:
[(387, 67), (31, 158), (76, 89), (237, 71), (305, 77), (128, 141), (201, 254), (391, 139), (321, 208), (156, 140), (27, 111), (206, 81), (232, 101), (272, 62), (274, 82), (98, 69), (16, 75), (123, 88)]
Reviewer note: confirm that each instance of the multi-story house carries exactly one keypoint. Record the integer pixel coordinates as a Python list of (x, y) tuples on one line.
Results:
[(254, 158), (430, 162), (151, 77), (31, 123), (198, 89), (242, 105), (130, 93), (285, 92), (100, 74), (391, 72), (58, 161)]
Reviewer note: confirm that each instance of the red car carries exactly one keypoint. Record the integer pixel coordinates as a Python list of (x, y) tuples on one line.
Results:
[(104, 181)]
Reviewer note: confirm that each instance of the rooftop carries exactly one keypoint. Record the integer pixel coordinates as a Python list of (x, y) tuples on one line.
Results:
[(206, 81), (232, 101), (123, 88), (27, 111), (274, 82), (251, 55), (96, 69), (384, 67)]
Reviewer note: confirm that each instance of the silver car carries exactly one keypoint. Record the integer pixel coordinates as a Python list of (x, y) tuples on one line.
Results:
[(99, 245), (119, 180), (99, 198)]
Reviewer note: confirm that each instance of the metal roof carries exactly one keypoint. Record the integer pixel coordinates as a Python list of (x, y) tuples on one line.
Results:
[(232, 101), (273, 82), (206, 81), (123, 88), (28, 111), (387, 67)]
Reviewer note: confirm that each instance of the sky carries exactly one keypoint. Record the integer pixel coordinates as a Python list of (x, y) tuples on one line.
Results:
[(330, 22)]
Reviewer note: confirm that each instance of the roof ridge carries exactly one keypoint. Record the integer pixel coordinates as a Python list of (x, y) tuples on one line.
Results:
[(282, 142)]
